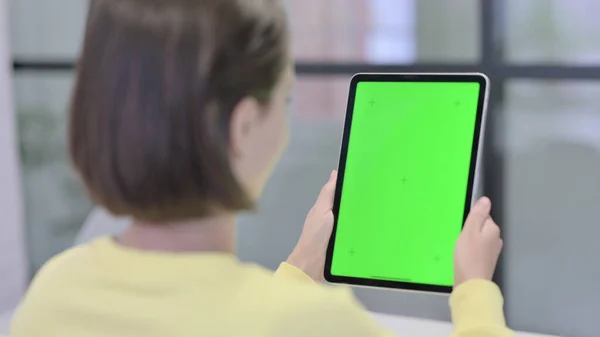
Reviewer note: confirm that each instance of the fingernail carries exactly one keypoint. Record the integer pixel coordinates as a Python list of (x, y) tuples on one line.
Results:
[(333, 174), (484, 202)]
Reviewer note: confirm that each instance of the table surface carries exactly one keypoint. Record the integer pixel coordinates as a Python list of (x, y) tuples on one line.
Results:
[(417, 327), (400, 325)]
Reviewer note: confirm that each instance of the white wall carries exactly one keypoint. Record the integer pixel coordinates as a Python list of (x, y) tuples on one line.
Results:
[(12, 261)]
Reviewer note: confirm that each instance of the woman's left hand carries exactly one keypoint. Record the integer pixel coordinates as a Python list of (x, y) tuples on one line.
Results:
[(309, 254)]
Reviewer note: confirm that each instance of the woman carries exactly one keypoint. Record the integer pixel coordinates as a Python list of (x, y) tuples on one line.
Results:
[(177, 119)]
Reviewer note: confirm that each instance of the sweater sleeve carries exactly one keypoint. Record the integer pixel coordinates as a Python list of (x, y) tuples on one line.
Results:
[(289, 271), (477, 310)]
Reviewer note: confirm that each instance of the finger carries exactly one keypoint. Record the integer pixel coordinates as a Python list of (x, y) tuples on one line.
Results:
[(478, 215), (325, 199), (328, 221), (333, 177), (490, 230)]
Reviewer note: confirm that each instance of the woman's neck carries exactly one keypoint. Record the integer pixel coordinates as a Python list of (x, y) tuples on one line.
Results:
[(216, 234)]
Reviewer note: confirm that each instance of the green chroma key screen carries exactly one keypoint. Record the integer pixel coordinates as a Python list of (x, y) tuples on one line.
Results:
[(405, 181)]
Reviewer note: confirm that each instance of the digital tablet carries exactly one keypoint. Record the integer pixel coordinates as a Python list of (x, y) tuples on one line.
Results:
[(406, 179)]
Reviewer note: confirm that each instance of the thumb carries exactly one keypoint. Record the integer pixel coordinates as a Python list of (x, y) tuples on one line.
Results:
[(328, 221), (478, 215), (325, 199), (327, 227)]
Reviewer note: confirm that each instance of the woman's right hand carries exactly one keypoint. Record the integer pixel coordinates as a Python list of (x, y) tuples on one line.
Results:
[(479, 245)]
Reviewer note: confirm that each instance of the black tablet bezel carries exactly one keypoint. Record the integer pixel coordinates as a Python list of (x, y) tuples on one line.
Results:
[(481, 106)]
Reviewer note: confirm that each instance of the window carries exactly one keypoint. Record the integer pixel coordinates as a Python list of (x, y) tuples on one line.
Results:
[(55, 203), (553, 31), (47, 30), (552, 188), (385, 31)]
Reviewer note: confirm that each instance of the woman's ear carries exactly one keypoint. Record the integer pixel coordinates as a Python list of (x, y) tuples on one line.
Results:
[(243, 126)]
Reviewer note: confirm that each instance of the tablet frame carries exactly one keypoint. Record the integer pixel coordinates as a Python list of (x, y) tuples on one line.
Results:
[(474, 170)]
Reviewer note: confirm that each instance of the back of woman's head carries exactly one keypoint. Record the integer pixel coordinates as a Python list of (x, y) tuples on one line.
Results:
[(156, 86)]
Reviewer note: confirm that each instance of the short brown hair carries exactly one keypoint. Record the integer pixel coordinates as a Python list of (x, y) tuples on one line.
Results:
[(156, 85)]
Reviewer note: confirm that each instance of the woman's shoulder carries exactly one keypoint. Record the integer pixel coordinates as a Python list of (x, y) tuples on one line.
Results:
[(284, 303), (64, 260)]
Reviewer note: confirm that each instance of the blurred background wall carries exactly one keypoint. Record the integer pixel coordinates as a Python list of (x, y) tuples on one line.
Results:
[(542, 156), (12, 258)]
